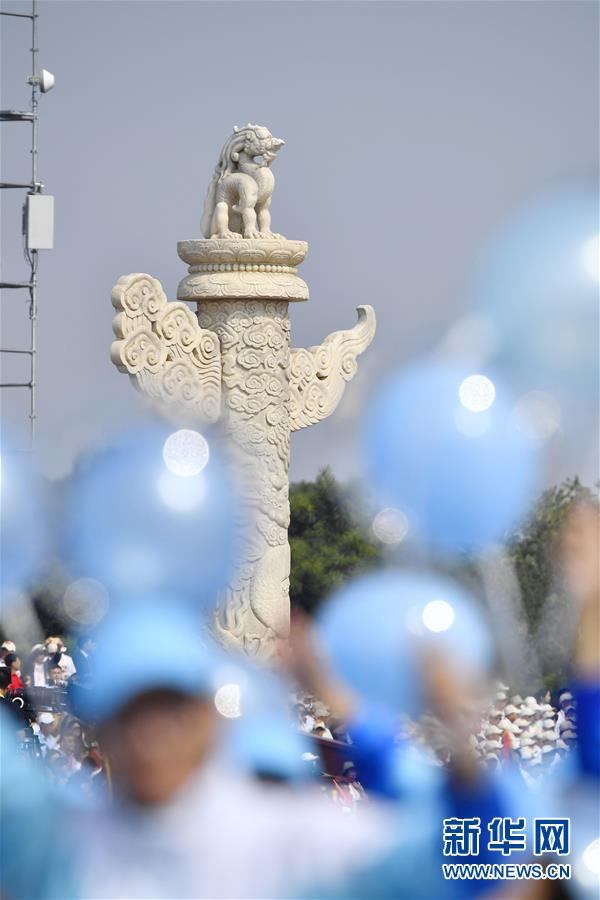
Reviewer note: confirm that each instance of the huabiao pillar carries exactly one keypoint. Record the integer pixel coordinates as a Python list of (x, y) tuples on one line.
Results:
[(231, 360)]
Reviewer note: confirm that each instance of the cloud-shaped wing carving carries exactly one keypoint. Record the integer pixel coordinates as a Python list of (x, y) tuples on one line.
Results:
[(318, 375), (160, 344)]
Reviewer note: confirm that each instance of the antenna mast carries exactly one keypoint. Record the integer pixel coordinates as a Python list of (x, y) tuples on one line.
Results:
[(38, 215)]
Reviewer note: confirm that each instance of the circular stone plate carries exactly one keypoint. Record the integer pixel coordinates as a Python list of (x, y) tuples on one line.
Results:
[(242, 268), (268, 252)]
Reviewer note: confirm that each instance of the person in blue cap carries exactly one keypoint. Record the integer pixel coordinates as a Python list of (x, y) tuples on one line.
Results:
[(155, 724), (187, 818)]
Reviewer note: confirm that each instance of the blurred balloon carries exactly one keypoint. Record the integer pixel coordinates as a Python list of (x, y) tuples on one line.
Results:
[(228, 700), (260, 738), (265, 744), (22, 534), (590, 858), (538, 415), (144, 519), (578, 804), (376, 629), (186, 452), (443, 445), (537, 287), (390, 526), (85, 602), (591, 257)]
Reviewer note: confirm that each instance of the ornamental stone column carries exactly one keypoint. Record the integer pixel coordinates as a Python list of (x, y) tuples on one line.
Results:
[(231, 361)]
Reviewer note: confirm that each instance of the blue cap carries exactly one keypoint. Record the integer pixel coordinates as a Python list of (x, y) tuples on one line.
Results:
[(143, 647), (266, 744)]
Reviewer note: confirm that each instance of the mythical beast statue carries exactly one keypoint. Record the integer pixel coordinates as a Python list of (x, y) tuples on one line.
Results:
[(239, 195), (231, 360)]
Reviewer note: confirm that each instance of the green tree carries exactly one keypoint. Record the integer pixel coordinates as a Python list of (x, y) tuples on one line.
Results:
[(532, 548), (328, 544), (550, 621)]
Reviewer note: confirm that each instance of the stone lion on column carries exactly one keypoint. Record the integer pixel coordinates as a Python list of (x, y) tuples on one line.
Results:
[(239, 196)]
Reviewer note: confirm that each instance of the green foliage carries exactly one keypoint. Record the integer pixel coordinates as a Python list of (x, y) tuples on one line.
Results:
[(550, 621), (532, 549), (328, 544)]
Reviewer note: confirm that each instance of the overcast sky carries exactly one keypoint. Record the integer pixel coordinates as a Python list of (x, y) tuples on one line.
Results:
[(411, 129)]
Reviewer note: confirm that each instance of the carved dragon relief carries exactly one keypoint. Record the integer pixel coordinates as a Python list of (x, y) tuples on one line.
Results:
[(254, 338), (232, 361)]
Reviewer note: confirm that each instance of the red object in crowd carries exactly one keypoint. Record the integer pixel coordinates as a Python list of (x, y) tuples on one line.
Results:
[(96, 758), (15, 682), (506, 747)]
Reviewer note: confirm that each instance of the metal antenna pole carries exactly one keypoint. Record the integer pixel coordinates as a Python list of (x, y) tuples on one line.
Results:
[(33, 254), (38, 214), (34, 88)]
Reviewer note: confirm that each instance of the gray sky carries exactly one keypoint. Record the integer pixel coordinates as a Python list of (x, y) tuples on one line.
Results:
[(411, 129)]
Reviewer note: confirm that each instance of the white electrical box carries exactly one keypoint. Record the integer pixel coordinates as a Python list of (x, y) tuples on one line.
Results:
[(39, 222)]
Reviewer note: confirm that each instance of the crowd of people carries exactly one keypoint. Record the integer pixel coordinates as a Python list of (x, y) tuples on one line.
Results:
[(67, 749), (312, 717), (530, 733), (533, 732), (341, 782), (48, 664), (34, 696)]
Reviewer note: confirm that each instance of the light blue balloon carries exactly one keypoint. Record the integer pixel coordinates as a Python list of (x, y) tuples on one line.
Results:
[(462, 478), (22, 532), (580, 804), (263, 740), (537, 289), (142, 529), (374, 630)]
